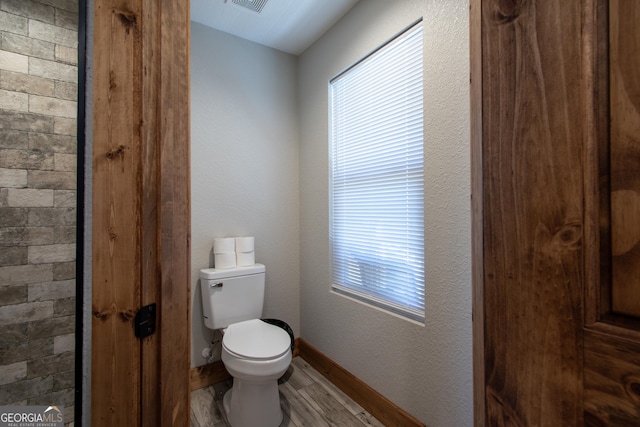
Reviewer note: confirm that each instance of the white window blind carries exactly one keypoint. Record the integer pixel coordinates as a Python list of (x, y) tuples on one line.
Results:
[(377, 177)]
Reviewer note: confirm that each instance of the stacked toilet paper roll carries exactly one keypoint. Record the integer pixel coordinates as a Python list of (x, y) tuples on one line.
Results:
[(230, 252), (224, 252), (245, 251)]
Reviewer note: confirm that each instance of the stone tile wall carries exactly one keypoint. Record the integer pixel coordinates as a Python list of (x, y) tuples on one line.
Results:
[(38, 104)]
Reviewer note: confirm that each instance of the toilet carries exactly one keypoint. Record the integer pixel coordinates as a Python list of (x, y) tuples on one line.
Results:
[(255, 353)]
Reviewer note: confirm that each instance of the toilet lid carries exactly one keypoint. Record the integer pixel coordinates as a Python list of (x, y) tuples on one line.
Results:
[(255, 339)]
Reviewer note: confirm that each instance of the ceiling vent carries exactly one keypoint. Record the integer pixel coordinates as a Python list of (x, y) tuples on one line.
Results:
[(254, 5)]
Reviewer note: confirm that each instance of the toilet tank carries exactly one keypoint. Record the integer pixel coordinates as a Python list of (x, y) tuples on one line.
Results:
[(231, 295)]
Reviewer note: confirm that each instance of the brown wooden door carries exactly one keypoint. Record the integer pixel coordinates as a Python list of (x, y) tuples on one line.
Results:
[(551, 347), (140, 212)]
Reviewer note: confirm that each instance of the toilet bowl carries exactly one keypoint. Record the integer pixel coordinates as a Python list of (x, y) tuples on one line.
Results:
[(256, 354)]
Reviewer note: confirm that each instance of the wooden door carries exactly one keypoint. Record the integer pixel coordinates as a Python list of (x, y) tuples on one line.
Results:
[(551, 348), (140, 212)]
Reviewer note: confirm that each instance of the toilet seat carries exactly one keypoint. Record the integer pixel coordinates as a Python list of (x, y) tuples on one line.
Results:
[(256, 340)]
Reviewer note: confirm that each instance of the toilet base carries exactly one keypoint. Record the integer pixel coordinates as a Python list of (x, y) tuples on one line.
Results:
[(249, 404)]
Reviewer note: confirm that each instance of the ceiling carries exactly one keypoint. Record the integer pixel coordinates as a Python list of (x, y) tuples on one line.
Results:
[(287, 25)]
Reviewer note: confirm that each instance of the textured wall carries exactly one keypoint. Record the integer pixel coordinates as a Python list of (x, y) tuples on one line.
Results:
[(38, 92), (425, 369), (244, 165)]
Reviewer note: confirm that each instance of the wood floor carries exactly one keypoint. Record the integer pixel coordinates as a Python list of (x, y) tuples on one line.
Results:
[(307, 398)]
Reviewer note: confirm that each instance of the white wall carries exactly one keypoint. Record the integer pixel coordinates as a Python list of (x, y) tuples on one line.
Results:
[(244, 166), (426, 370)]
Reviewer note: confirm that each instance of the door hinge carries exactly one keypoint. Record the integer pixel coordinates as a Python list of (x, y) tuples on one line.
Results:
[(145, 324)]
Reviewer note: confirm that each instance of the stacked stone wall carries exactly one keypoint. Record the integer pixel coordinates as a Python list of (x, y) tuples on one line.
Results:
[(38, 146)]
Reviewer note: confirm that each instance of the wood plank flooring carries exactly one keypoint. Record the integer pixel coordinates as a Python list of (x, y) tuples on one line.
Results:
[(307, 398)]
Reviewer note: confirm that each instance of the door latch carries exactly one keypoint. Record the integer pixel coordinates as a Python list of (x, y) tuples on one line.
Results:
[(145, 323)]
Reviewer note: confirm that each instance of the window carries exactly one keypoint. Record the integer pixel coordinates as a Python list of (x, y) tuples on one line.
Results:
[(377, 177)]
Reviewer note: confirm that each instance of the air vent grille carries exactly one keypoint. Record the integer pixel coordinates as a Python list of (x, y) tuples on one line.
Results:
[(254, 5)]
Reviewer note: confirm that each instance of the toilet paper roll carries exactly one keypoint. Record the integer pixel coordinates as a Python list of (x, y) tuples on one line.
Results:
[(223, 245), (244, 259), (245, 244), (225, 260)]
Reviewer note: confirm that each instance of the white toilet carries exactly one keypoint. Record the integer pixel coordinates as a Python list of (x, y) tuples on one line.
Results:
[(254, 352)]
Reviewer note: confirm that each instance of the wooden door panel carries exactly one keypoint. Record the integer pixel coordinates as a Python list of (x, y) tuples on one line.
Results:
[(533, 197), (115, 356), (559, 220), (141, 212), (174, 212), (611, 380), (611, 338), (624, 75)]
